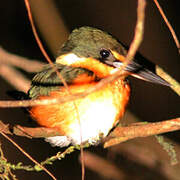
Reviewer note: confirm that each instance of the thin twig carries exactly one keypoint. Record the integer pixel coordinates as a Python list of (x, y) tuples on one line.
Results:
[(27, 103), (57, 72), (139, 31), (41, 45), (50, 23), (35, 32), (27, 155), (59, 155), (168, 25)]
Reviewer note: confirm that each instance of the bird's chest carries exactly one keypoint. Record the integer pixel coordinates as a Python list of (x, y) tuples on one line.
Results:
[(88, 118)]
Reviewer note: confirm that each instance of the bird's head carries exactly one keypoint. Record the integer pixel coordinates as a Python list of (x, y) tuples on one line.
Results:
[(98, 51)]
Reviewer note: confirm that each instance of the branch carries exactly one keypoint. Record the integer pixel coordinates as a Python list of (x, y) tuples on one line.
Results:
[(37, 132), (175, 86), (29, 65), (118, 135), (168, 25), (121, 134), (27, 103), (139, 31), (11, 75), (14, 77)]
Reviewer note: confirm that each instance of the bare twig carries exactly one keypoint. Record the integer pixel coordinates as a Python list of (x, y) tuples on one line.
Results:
[(168, 25), (118, 135), (139, 31), (121, 134), (14, 77), (58, 74), (29, 65), (27, 103), (38, 132), (175, 86), (35, 32)]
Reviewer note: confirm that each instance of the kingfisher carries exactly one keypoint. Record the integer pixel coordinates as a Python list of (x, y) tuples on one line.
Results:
[(88, 56)]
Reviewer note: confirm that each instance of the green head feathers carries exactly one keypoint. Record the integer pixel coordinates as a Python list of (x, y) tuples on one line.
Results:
[(88, 41)]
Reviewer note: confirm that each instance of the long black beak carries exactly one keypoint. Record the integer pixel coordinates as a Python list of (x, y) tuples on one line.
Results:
[(139, 71)]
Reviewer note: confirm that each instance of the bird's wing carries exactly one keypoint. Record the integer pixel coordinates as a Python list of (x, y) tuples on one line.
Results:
[(48, 80)]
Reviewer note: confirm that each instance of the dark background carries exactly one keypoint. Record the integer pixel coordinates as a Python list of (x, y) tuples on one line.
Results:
[(148, 101)]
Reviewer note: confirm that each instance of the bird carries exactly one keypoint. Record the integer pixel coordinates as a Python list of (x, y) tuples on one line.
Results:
[(88, 56)]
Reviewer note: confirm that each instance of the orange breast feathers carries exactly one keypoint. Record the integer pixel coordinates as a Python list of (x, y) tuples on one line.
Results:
[(99, 110)]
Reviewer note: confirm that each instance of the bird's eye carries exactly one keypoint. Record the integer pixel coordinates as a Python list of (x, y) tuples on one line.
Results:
[(104, 53)]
